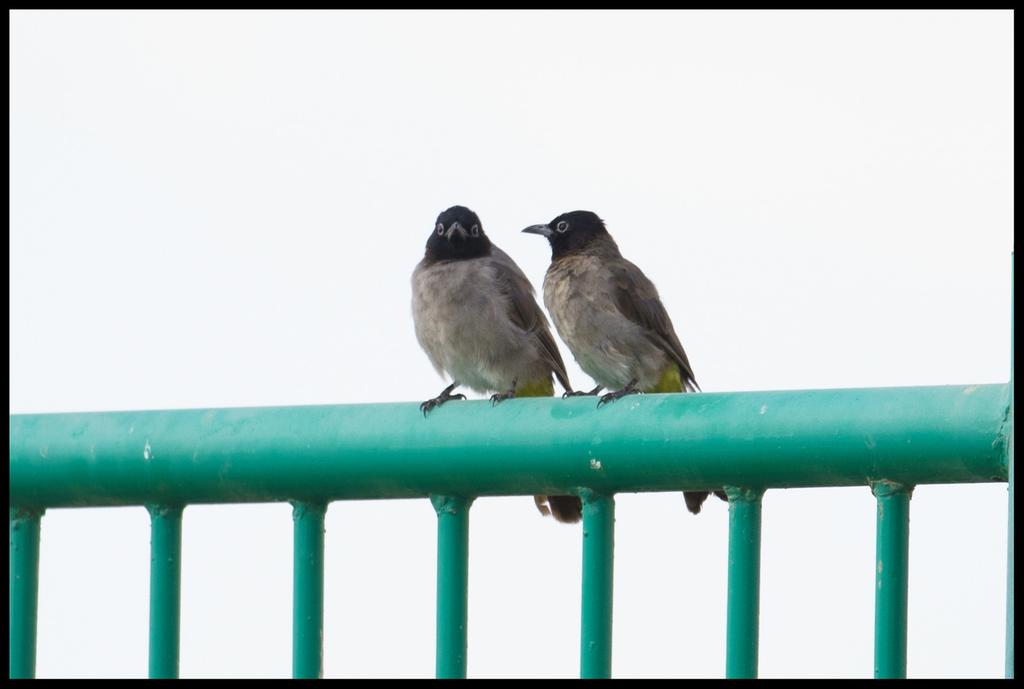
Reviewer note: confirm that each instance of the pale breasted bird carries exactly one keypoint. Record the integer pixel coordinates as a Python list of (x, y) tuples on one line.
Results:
[(611, 317), (477, 319)]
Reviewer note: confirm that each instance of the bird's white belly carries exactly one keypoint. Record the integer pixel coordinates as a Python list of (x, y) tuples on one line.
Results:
[(592, 332), (465, 330)]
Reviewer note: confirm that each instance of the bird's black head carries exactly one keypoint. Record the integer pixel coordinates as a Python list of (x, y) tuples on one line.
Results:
[(457, 234), (571, 232)]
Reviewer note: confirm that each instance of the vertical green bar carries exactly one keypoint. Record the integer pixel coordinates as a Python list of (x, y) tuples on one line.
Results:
[(743, 607), (1009, 532), (308, 590), (892, 537), (598, 570), (1009, 555), (452, 584), (164, 590), (24, 589)]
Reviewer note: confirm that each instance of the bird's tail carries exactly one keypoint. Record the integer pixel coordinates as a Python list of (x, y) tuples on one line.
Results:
[(676, 378), (564, 508), (694, 499)]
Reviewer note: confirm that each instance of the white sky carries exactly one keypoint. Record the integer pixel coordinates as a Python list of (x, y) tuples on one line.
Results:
[(223, 209)]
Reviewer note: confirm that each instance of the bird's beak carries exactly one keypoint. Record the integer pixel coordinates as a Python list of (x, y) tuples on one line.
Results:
[(456, 227), (542, 230)]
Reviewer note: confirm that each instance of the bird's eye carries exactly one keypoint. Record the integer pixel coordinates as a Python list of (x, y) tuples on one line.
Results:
[(562, 226), (440, 228), (475, 230)]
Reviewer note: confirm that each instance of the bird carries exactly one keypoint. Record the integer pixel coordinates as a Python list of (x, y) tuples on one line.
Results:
[(611, 317), (478, 321)]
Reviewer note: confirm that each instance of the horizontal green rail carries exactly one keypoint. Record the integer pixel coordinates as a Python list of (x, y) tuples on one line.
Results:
[(888, 438), (947, 434)]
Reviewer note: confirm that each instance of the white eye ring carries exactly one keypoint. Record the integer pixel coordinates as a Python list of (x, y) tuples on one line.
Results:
[(562, 226), (475, 230), (440, 229)]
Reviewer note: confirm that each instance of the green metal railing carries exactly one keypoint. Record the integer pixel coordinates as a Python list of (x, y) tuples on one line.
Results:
[(888, 439)]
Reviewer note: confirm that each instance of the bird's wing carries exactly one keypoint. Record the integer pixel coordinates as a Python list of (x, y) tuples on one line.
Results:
[(525, 312), (637, 300)]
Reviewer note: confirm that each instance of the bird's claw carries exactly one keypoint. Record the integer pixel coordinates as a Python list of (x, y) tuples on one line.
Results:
[(630, 389), (507, 395), (445, 396), (579, 393), (502, 396)]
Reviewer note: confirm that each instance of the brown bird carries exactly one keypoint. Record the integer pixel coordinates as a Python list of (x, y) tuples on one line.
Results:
[(478, 321), (610, 315)]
